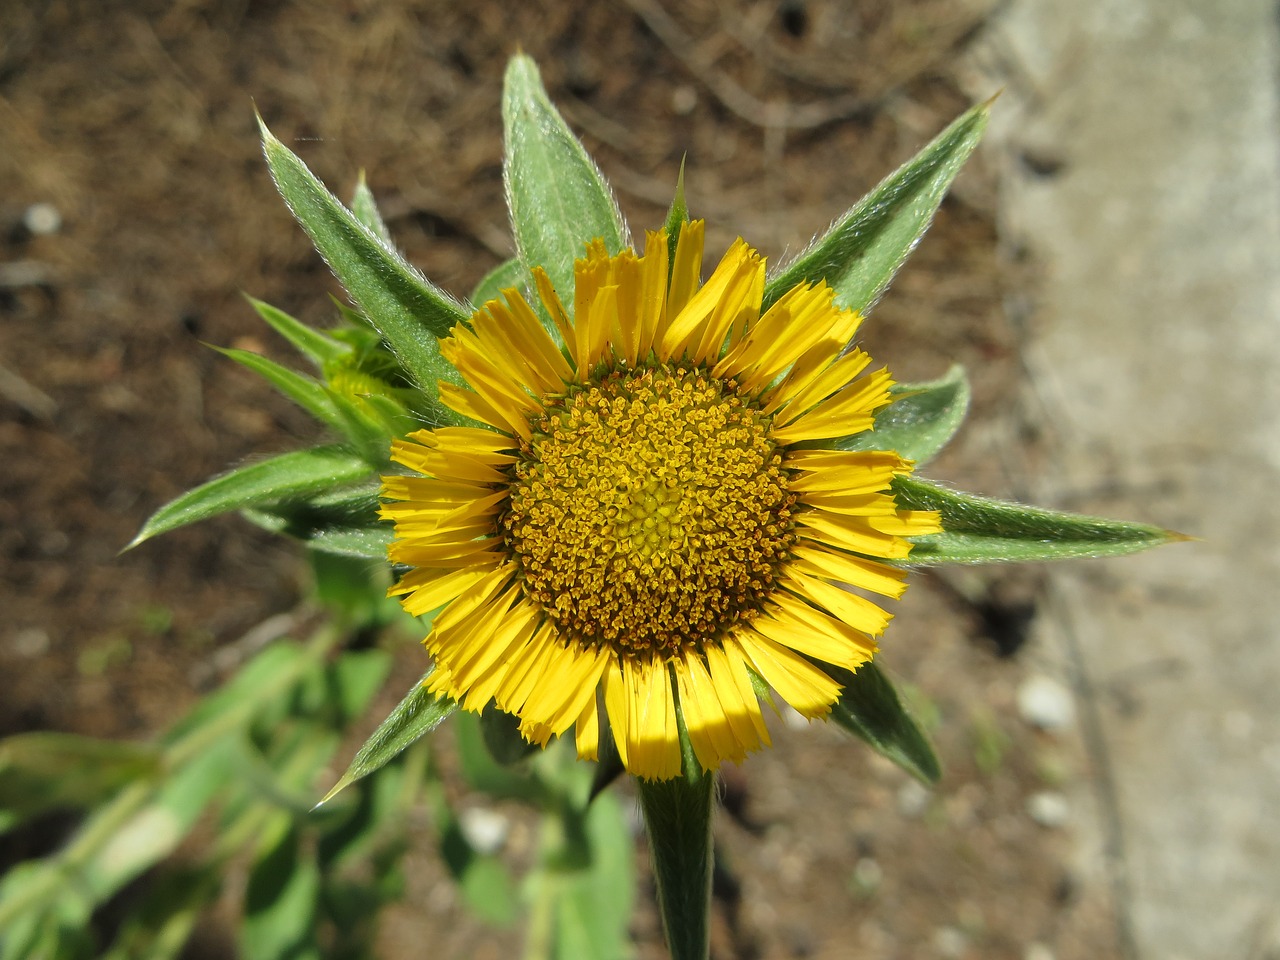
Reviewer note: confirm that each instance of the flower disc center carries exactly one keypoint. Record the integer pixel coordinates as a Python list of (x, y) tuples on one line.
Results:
[(650, 511)]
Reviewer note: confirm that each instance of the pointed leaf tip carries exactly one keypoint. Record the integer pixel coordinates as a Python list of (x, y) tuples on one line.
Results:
[(557, 196), (417, 714), (981, 530), (862, 251), (406, 308)]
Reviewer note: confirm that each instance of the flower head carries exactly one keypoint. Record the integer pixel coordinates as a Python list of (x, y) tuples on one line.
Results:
[(652, 511)]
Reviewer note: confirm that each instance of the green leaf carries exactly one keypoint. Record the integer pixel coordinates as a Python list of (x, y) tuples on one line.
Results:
[(509, 274), (354, 679), (280, 902), (287, 476), (501, 732), (366, 211), (265, 679), (416, 715), (980, 530), (488, 890), (312, 344), (594, 907), (559, 200), (486, 774), (860, 253), (337, 412), (370, 824), (677, 216), (368, 542), (47, 770), (920, 421), (405, 307), (342, 522), (353, 589), (159, 927), (115, 853), (869, 707), (306, 392), (677, 813)]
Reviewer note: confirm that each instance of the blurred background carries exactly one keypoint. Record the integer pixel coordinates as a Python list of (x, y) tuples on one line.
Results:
[(1104, 269)]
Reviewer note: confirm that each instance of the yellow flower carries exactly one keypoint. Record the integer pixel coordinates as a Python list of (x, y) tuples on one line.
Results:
[(652, 512)]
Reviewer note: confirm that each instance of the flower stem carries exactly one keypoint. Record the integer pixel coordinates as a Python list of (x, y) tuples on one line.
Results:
[(678, 815)]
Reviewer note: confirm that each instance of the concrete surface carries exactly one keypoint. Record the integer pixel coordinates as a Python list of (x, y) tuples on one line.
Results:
[(1142, 142)]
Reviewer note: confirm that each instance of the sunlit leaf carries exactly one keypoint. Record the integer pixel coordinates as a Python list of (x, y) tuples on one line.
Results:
[(406, 308), (288, 476), (869, 707), (312, 344), (416, 715), (511, 273), (920, 421), (558, 198), (365, 209), (980, 530), (860, 253)]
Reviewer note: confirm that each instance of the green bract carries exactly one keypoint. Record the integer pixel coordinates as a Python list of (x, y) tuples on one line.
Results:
[(378, 371)]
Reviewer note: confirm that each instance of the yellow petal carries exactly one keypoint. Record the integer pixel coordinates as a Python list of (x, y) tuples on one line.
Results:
[(686, 268), (831, 564), (810, 691), (710, 733), (586, 734)]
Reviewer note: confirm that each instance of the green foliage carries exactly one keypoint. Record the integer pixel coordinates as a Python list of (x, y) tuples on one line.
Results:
[(861, 252), (321, 350), (980, 530), (677, 216), (558, 198), (417, 714), (48, 771), (364, 209), (343, 522), (405, 307), (920, 420), (869, 707), (284, 478), (333, 410), (509, 273)]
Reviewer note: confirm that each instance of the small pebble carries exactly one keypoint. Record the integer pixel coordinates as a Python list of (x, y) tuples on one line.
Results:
[(42, 219), (1037, 951), (1049, 809), (486, 830), (684, 99), (31, 642), (1046, 703), (950, 942), (913, 799), (867, 876)]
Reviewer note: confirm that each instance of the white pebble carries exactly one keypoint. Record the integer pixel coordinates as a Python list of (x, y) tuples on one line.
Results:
[(1037, 951), (867, 876), (1048, 808), (684, 99), (486, 830), (42, 219), (31, 642), (913, 799), (1046, 703), (950, 942)]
